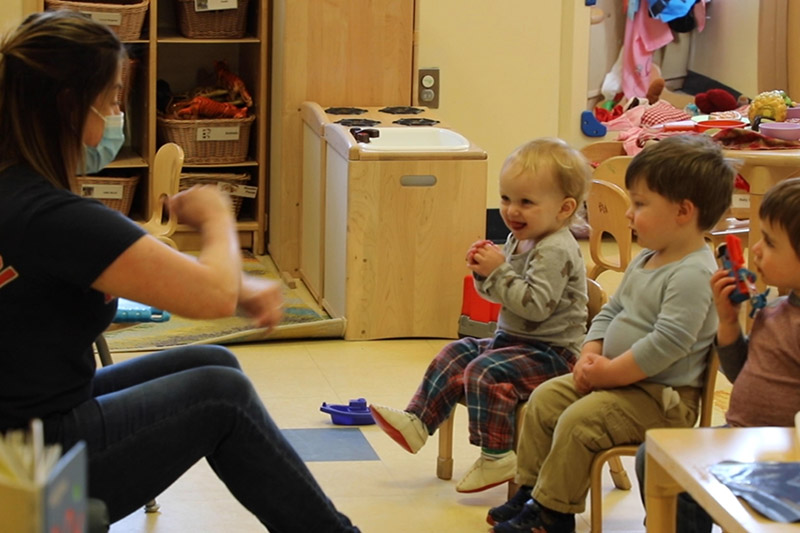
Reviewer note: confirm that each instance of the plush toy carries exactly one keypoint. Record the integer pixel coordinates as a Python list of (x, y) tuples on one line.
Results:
[(715, 100), (655, 90)]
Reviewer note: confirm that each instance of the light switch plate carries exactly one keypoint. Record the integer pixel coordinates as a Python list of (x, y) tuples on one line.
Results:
[(429, 87)]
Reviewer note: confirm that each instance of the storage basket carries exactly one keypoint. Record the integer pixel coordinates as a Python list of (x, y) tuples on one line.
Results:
[(217, 24), (115, 192), (125, 19), (188, 180), (201, 138)]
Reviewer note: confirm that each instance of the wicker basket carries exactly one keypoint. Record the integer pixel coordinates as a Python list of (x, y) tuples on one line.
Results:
[(88, 188), (186, 134), (130, 16), (218, 24), (188, 180)]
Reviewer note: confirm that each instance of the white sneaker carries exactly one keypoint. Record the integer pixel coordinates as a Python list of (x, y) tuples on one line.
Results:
[(404, 428), (487, 473)]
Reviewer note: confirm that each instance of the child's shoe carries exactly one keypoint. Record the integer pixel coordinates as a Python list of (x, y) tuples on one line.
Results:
[(406, 429), (511, 508), (536, 518), (487, 473)]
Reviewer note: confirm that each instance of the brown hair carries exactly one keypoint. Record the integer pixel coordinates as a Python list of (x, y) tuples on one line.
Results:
[(781, 206), (687, 167), (52, 68), (570, 170)]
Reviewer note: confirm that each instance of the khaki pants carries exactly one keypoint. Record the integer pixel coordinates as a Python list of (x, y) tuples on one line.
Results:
[(563, 430)]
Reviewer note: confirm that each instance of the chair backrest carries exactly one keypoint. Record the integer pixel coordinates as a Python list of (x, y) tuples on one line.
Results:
[(709, 384), (613, 170), (606, 206), (597, 299), (599, 151), (167, 166)]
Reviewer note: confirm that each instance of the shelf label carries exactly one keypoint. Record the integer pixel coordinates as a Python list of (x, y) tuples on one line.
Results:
[(741, 201), (106, 192), (227, 133), (215, 5), (109, 19), (245, 191)]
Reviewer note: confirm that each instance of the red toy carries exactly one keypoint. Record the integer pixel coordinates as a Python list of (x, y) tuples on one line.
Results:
[(715, 100), (478, 316), (732, 259)]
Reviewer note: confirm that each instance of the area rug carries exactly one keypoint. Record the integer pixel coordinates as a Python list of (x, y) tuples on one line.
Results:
[(302, 319)]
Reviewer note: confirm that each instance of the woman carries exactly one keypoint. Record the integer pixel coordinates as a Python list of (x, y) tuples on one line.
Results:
[(65, 259)]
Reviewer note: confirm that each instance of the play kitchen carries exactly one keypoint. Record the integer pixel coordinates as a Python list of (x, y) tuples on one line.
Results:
[(392, 198)]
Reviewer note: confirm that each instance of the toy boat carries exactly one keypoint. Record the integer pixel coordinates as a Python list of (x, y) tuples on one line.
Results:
[(356, 413)]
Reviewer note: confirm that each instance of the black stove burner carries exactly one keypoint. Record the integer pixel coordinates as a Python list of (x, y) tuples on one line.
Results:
[(358, 122), (401, 110), (416, 121), (345, 111)]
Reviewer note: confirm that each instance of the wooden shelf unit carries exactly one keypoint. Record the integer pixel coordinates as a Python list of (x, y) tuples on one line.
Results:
[(185, 63)]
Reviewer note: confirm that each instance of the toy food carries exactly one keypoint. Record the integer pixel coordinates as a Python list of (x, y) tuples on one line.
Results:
[(769, 104)]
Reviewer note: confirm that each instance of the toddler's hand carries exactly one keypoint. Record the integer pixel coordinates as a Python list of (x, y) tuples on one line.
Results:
[(485, 259), (722, 285), (477, 245)]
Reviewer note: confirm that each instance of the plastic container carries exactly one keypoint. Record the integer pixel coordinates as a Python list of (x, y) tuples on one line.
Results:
[(719, 124), (788, 131), (356, 413)]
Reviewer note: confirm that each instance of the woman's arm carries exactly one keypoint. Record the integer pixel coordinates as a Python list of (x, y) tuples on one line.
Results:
[(207, 286)]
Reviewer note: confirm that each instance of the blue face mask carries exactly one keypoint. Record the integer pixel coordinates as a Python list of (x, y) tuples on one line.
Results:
[(98, 157)]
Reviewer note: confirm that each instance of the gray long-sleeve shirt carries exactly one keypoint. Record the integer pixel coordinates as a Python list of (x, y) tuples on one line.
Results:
[(542, 291)]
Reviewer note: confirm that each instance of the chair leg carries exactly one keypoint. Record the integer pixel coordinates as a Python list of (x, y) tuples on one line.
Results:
[(444, 463), (151, 506), (618, 473)]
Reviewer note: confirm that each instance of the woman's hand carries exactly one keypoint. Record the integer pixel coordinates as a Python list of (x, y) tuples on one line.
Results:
[(262, 300), (200, 205)]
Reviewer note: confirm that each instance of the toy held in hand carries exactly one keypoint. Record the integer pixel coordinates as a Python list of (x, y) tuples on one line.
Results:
[(730, 254)]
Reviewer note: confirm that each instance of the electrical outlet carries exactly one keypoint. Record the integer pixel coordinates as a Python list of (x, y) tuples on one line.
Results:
[(428, 87)]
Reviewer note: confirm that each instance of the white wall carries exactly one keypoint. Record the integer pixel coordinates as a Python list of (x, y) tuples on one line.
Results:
[(502, 67), (727, 50)]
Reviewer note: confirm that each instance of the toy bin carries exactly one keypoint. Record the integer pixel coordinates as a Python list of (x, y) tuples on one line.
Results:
[(115, 192), (230, 183), (220, 19), (208, 141), (125, 18), (398, 214)]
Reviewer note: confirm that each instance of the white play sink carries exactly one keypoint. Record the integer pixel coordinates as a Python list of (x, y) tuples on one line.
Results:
[(415, 139)]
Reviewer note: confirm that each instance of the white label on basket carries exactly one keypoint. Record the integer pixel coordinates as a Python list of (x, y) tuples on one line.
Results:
[(215, 5), (109, 19), (245, 191), (230, 133), (741, 201), (106, 192)]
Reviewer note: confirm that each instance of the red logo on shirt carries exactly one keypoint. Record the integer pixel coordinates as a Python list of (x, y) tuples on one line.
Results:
[(7, 275)]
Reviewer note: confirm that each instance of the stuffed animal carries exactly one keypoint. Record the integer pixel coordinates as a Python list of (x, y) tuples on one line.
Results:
[(715, 100)]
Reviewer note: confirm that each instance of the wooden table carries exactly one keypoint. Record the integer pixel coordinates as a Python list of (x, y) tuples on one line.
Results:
[(762, 169), (678, 460)]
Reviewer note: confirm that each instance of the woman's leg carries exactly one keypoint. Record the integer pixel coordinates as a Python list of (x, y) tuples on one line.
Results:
[(443, 383), (502, 377), (143, 437)]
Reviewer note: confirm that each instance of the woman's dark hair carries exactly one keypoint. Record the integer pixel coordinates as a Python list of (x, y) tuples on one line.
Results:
[(52, 68)]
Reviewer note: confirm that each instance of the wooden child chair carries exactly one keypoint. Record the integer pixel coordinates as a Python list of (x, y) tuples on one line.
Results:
[(444, 462), (606, 206), (612, 455)]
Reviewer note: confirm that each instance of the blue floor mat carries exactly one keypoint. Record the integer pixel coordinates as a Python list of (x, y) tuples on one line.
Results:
[(330, 444)]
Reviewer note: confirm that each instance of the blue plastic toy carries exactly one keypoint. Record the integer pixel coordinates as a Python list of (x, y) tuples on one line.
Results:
[(130, 311), (356, 413), (590, 126)]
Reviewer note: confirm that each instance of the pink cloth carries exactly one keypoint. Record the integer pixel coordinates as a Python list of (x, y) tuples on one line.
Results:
[(700, 14), (643, 36)]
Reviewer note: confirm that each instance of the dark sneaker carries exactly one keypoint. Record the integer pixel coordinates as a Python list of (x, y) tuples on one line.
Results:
[(534, 518), (511, 508)]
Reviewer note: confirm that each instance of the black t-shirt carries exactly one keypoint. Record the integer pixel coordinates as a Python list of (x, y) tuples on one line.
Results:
[(53, 245)]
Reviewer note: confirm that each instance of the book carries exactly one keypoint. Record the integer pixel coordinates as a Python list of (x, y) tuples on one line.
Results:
[(41, 490)]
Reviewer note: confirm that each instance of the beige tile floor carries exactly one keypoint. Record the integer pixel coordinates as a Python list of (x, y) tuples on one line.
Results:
[(398, 493)]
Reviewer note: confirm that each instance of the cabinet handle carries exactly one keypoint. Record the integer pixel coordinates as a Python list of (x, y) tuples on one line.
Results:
[(414, 180)]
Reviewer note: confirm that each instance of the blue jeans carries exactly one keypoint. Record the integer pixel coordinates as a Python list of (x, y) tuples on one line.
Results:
[(154, 416), (690, 517)]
